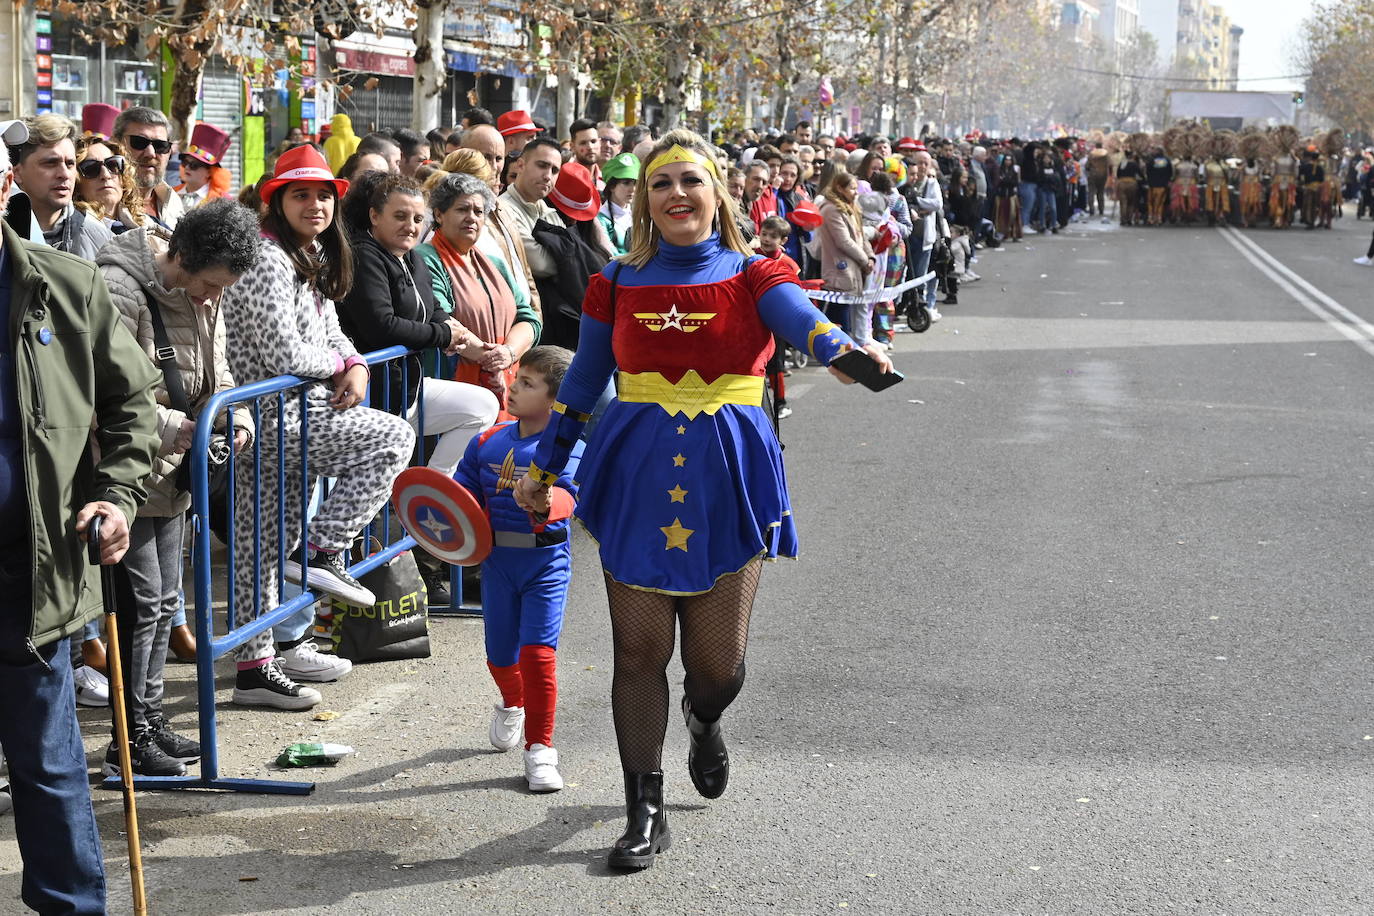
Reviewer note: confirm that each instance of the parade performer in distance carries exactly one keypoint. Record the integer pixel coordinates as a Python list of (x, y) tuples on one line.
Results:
[(1128, 177), (1183, 203), (525, 578), (1251, 148), (204, 179), (1283, 189), (1218, 192), (1159, 173), (682, 483)]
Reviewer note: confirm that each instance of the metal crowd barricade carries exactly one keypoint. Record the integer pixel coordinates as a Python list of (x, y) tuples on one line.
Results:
[(211, 647)]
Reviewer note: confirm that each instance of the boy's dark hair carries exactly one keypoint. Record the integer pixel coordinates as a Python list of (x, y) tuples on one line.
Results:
[(776, 225), (536, 143), (580, 125), (408, 140), (475, 116), (768, 152), (880, 182), (550, 362)]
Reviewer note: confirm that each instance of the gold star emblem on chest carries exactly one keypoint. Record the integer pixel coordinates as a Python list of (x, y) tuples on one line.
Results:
[(677, 494), (677, 535), (686, 322), (507, 472)]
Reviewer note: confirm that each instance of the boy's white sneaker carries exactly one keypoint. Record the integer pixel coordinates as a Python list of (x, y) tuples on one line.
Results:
[(541, 769), (507, 727), (934, 313)]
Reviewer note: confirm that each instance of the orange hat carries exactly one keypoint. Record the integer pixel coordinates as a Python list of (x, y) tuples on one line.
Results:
[(574, 194), (208, 144), (302, 163), (515, 122), (97, 120)]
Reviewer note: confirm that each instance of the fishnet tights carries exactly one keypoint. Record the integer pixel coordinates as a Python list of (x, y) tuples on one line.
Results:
[(715, 631)]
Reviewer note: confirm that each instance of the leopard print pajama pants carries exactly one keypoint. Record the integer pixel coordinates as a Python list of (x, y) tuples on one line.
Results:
[(363, 448)]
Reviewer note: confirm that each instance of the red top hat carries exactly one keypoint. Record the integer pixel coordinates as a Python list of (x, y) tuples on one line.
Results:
[(97, 120), (208, 144), (574, 194), (908, 143), (301, 163), (514, 122), (805, 216)]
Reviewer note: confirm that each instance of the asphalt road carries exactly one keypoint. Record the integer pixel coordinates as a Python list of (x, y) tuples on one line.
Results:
[(1081, 627)]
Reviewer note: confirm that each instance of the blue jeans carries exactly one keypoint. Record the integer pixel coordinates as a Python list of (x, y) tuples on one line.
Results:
[(1029, 198), (54, 823), (1049, 216)]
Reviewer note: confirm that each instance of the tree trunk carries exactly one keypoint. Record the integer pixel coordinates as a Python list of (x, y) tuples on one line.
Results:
[(188, 66), (430, 67), (675, 84), (565, 50), (787, 78)]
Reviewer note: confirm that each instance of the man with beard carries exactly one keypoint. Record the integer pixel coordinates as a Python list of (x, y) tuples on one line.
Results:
[(144, 133)]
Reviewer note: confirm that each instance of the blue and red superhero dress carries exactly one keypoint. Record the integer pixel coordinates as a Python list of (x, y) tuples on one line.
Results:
[(682, 481)]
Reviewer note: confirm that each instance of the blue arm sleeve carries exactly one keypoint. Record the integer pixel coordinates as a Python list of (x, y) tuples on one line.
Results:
[(788, 311), (468, 473), (587, 377)]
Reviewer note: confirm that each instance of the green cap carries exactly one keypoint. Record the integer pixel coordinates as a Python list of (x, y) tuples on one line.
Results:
[(625, 165)]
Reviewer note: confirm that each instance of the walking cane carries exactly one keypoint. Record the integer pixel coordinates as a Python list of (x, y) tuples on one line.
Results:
[(121, 724)]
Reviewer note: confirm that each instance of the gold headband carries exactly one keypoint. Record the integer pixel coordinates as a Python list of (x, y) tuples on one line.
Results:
[(680, 153)]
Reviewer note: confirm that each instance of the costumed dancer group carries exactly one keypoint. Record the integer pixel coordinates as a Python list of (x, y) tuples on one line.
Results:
[(1188, 173), (681, 483)]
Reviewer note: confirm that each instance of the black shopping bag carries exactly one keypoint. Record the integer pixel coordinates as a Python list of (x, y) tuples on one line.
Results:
[(396, 627)]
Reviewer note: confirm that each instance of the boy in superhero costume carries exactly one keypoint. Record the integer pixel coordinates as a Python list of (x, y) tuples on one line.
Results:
[(525, 579)]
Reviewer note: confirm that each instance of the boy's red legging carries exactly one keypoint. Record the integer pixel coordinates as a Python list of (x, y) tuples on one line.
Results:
[(532, 682)]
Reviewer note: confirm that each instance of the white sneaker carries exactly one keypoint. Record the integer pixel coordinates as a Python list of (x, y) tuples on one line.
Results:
[(1364, 261), (934, 313), (507, 727), (541, 769), (92, 687), (971, 277), (307, 663)]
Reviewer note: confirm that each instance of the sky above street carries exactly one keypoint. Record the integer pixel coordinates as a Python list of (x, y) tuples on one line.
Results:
[(1271, 30)]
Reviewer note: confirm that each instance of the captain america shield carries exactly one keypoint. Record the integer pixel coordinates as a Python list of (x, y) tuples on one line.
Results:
[(442, 516)]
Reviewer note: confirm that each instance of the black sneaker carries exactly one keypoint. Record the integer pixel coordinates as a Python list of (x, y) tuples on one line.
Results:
[(146, 757), (173, 745), (328, 573), (437, 592), (268, 685)]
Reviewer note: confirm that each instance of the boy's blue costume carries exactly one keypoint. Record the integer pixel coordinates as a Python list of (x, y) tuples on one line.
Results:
[(525, 579)]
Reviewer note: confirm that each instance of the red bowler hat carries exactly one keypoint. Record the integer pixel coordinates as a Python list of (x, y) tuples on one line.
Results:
[(97, 120), (909, 143), (208, 144), (515, 122), (574, 194), (805, 216), (302, 163)]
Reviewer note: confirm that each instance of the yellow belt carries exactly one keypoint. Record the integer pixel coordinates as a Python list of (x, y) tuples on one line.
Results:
[(692, 395)]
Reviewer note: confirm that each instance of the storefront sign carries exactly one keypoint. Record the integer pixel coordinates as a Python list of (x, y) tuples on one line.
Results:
[(365, 61)]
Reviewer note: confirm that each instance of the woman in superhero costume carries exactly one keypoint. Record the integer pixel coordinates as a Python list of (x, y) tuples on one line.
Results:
[(682, 482)]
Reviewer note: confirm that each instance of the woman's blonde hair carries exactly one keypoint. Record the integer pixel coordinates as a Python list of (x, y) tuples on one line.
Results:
[(465, 161), (645, 235), (130, 197), (842, 178)]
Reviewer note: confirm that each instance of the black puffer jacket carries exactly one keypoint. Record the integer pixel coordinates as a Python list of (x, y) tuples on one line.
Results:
[(392, 303)]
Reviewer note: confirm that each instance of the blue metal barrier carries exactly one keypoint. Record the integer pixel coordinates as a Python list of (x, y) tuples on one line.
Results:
[(210, 647)]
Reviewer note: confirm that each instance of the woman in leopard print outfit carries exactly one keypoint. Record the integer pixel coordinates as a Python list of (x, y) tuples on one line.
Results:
[(280, 320)]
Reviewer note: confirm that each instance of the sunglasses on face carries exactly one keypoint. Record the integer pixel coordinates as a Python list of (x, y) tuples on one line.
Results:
[(192, 163), (91, 168), (140, 143)]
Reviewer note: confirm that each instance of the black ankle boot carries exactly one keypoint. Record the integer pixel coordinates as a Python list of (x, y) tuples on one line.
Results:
[(708, 761), (646, 831)]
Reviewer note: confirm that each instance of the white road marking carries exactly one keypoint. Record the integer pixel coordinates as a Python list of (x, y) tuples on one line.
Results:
[(1354, 328)]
